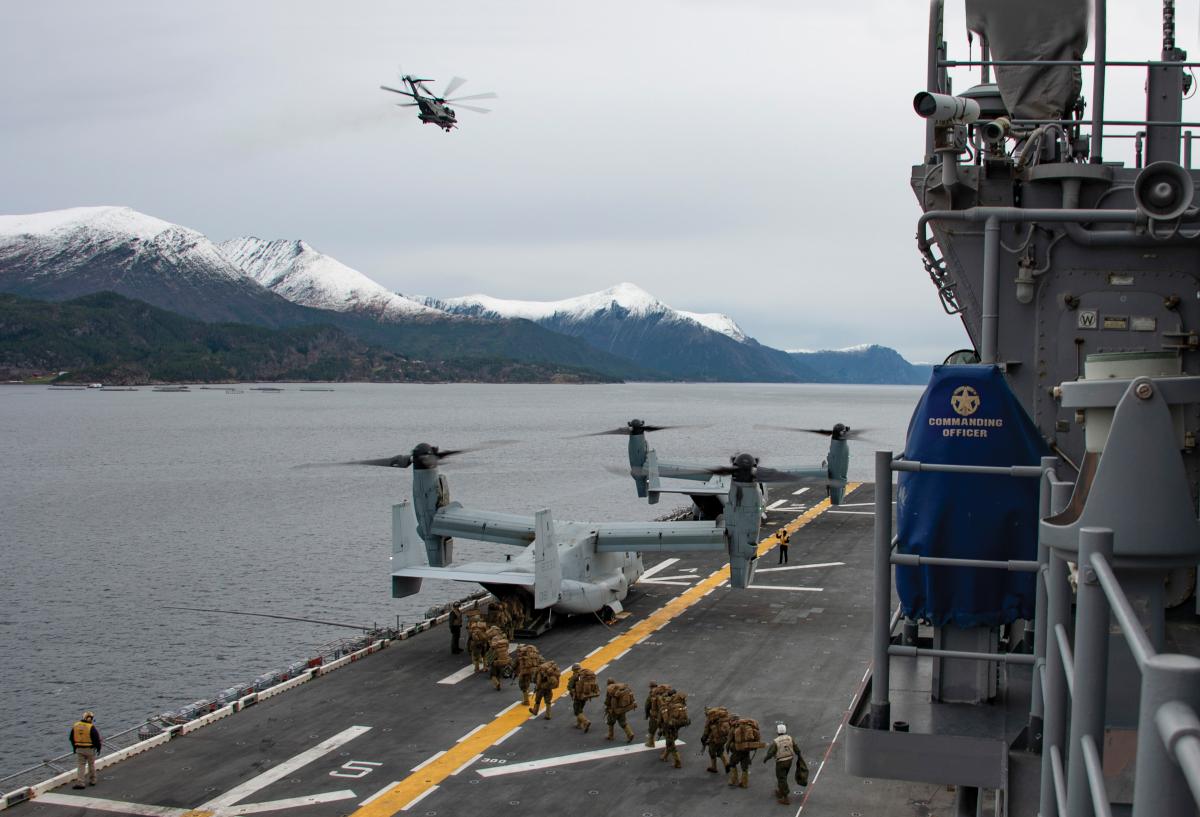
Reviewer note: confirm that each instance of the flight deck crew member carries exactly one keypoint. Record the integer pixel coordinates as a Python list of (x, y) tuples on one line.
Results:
[(456, 620), (85, 741), (784, 541), (784, 750)]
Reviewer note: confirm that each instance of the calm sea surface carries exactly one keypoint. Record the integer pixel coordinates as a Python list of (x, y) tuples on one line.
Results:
[(114, 506)]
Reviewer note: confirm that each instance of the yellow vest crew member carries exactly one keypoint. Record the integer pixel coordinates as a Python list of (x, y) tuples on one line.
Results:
[(85, 741)]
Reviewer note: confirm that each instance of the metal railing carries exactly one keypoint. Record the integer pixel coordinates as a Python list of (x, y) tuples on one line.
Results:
[(1069, 683), (1075, 677), (885, 557)]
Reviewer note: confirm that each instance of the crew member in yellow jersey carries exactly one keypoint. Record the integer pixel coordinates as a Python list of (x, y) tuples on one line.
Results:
[(85, 741)]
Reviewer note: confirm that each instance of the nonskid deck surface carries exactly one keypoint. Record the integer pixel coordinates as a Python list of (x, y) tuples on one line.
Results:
[(408, 729)]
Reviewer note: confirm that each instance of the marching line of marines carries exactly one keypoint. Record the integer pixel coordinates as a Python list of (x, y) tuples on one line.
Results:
[(731, 739)]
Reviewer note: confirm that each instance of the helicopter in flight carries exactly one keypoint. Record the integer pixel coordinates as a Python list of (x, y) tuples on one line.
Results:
[(433, 109)]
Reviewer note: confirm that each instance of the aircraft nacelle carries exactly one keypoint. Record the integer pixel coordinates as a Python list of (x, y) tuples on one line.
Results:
[(430, 492), (743, 516), (637, 466)]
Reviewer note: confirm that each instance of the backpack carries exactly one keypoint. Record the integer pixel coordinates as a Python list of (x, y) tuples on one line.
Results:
[(548, 675), (746, 735), (499, 645), (660, 694), (586, 687), (721, 731), (674, 711), (528, 659), (622, 699), (716, 713)]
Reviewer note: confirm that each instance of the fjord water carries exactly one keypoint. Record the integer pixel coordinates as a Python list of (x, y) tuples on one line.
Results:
[(116, 505)]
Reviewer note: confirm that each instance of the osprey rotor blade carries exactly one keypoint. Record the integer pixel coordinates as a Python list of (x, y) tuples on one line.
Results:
[(488, 95), (454, 84), (839, 431), (628, 429), (398, 461)]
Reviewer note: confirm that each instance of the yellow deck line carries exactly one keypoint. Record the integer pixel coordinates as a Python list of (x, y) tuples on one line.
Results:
[(434, 773)]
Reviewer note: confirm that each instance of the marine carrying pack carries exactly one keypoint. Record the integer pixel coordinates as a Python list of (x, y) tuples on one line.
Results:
[(746, 735), (528, 659), (548, 675), (499, 646), (622, 699), (586, 686), (674, 711)]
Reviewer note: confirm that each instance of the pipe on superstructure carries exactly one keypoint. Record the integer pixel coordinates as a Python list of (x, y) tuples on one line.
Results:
[(1101, 54)]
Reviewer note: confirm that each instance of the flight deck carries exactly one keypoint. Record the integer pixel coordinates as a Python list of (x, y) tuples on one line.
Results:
[(411, 729)]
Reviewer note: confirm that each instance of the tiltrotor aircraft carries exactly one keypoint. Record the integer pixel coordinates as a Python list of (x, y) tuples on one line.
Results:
[(566, 567), (711, 500), (432, 109)]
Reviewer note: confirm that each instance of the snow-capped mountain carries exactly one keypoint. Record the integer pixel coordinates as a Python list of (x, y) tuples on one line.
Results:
[(67, 253), (864, 363), (304, 276), (630, 322), (625, 299)]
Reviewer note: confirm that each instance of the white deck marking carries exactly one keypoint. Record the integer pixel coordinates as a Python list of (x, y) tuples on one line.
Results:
[(281, 771), (658, 568), (621, 654), (465, 765), (601, 668), (564, 760), (472, 732), (428, 760), (118, 806), (460, 675), (797, 493), (593, 652), (466, 672), (784, 587), (689, 569), (858, 504), (288, 803), (507, 735), (854, 513), (505, 709), (659, 581), (381, 792), (422, 796), (798, 567), (777, 503)]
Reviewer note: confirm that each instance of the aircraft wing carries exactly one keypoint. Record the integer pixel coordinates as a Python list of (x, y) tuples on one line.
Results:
[(479, 572), (658, 537), (485, 526), (685, 470)]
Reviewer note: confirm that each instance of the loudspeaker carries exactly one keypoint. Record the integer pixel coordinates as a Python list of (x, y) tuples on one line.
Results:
[(1163, 190)]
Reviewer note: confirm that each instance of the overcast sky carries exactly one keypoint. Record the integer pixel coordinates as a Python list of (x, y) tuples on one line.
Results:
[(742, 156)]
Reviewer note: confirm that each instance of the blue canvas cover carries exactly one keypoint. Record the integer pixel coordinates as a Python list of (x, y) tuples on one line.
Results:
[(968, 416)]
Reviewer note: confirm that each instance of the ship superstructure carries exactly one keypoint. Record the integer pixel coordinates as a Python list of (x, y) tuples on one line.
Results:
[(1076, 278)]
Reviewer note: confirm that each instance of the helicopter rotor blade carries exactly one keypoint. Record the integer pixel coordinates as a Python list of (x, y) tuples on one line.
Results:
[(488, 95), (474, 108), (396, 91), (407, 105), (762, 474), (454, 84)]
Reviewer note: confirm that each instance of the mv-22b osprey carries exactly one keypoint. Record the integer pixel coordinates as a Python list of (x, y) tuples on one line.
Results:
[(565, 567)]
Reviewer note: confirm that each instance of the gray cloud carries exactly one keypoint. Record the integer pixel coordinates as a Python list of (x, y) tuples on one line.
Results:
[(750, 158)]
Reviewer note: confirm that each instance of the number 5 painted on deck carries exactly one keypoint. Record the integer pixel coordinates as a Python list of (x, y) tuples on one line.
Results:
[(355, 768)]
